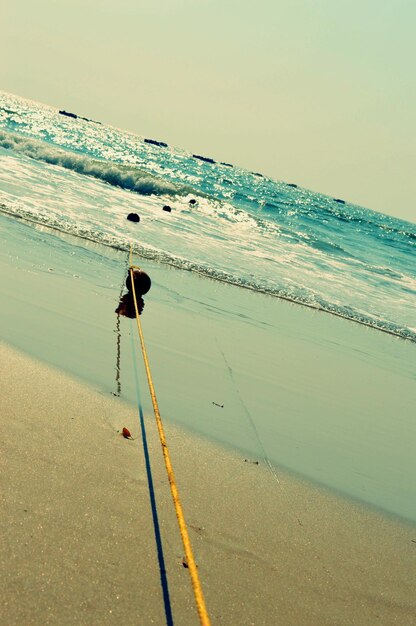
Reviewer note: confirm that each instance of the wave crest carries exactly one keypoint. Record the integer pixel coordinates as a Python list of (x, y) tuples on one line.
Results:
[(117, 174)]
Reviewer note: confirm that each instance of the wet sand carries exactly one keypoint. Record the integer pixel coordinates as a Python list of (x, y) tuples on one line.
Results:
[(291, 432), (78, 532), (325, 398)]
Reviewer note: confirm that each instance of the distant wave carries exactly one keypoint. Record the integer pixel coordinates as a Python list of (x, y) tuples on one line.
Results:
[(379, 223), (117, 174), (310, 301)]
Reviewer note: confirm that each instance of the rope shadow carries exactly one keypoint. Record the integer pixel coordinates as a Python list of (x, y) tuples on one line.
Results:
[(152, 497)]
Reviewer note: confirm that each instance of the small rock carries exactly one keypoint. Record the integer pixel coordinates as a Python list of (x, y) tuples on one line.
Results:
[(167, 208), (133, 217)]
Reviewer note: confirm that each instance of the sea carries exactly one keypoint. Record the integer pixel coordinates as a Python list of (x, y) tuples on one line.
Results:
[(82, 177), (328, 400)]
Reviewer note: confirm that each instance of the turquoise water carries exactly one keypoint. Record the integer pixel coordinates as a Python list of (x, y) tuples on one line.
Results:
[(322, 397), (83, 178)]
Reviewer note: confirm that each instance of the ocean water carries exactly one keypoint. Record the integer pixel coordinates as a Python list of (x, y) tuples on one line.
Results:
[(82, 177), (322, 397)]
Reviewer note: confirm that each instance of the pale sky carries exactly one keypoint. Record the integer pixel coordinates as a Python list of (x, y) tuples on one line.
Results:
[(321, 93)]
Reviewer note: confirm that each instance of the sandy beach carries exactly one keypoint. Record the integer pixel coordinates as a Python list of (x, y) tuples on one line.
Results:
[(291, 437), (79, 536)]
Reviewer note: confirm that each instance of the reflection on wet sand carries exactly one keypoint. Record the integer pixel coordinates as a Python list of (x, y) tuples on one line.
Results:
[(126, 308), (142, 284)]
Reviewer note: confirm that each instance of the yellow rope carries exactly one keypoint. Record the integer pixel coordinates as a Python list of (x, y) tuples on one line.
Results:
[(193, 571)]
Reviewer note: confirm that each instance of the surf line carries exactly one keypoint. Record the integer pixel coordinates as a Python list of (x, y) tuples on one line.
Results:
[(193, 571)]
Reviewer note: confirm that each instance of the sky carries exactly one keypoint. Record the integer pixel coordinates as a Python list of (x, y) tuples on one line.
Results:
[(321, 93)]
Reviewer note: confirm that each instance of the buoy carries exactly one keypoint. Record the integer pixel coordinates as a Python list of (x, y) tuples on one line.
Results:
[(142, 282)]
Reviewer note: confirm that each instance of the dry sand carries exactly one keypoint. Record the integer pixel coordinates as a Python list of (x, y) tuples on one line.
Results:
[(78, 535)]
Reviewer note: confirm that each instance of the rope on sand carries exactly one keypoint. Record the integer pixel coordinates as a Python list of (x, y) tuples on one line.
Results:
[(193, 571)]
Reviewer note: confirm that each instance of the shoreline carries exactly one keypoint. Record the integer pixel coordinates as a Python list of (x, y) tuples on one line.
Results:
[(206, 275), (80, 543), (322, 398)]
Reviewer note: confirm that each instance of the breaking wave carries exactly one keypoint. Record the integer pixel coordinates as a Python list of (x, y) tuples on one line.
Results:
[(120, 175), (297, 296)]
